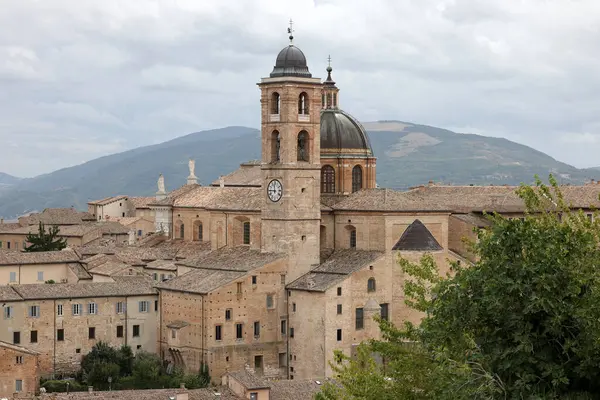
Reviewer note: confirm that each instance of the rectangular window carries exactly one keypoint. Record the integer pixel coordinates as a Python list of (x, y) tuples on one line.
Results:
[(353, 239), (283, 279), (384, 311), (218, 332), (8, 245), (59, 310), (16, 337), (40, 276), (120, 307), (92, 308), (19, 359), (33, 336), (256, 329), (291, 332), (339, 309), (339, 335), (120, 331), (293, 307), (228, 314), (339, 291), (162, 277), (60, 335), (8, 312), (173, 333), (34, 311), (246, 232), (13, 276), (253, 395), (269, 301), (16, 245), (77, 309), (155, 305), (91, 333), (18, 385), (239, 333), (258, 362), (136, 331), (239, 288), (283, 327), (254, 280), (359, 323), (139, 232), (155, 276), (143, 306)]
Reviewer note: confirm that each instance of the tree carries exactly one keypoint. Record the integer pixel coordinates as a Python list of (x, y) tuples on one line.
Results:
[(523, 322), (43, 241)]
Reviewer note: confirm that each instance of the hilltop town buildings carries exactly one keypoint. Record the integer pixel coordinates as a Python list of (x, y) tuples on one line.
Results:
[(266, 271)]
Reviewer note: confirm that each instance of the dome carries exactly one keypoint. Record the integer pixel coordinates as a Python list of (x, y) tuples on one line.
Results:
[(340, 132), (291, 62)]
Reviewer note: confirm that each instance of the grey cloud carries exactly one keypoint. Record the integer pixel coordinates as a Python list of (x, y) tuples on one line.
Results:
[(110, 75)]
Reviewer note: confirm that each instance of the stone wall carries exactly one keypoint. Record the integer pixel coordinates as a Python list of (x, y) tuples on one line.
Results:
[(12, 369)]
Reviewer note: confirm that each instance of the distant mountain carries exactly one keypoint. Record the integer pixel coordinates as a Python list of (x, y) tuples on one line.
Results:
[(6, 179), (408, 155)]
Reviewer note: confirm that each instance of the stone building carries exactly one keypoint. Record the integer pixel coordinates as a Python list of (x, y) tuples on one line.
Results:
[(301, 247), (19, 371), (62, 322), (39, 267)]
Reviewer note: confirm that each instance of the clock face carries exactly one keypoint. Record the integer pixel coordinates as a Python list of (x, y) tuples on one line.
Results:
[(275, 190)]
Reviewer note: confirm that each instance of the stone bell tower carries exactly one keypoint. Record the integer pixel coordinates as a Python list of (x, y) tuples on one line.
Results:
[(291, 165)]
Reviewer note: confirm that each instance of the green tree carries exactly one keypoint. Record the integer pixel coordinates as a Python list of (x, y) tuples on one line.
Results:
[(521, 323), (43, 241), (147, 371)]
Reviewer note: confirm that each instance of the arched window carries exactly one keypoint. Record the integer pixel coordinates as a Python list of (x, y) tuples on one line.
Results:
[(182, 231), (328, 100), (200, 233), (303, 104), (322, 99), (327, 179), (247, 232), (275, 146), (371, 285), (303, 146), (275, 103), (352, 232), (335, 99), (356, 178)]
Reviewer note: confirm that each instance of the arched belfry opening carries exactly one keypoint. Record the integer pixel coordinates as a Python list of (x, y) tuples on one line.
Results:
[(303, 108), (275, 103), (275, 146), (303, 146), (327, 179), (357, 178)]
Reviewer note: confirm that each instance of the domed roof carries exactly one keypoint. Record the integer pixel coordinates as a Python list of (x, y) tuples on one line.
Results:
[(341, 132), (291, 62)]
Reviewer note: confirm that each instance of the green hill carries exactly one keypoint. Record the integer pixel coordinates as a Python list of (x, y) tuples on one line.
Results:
[(408, 155)]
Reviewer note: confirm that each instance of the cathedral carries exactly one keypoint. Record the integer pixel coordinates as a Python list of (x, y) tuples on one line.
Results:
[(299, 251)]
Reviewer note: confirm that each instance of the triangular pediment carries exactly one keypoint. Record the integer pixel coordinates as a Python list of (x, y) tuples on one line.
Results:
[(417, 238)]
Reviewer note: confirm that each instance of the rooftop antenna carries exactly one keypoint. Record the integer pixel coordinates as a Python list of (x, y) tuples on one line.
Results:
[(291, 32)]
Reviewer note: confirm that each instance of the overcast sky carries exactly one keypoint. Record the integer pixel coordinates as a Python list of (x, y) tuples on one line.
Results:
[(81, 79)]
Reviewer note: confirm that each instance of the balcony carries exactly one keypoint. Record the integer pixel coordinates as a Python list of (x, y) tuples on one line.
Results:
[(303, 118), (274, 117)]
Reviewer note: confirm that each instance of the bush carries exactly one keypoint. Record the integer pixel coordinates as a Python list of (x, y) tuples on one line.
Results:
[(61, 386)]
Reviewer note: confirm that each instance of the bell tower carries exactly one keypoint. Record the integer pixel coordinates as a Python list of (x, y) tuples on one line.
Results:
[(291, 165)]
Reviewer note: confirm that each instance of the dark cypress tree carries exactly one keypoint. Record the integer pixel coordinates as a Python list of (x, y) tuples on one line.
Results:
[(43, 241)]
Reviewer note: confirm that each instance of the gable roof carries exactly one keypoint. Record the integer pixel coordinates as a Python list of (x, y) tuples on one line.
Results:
[(248, 174), (8, 257), (107, 200), (341, 264), (417, 238), (20, 349)]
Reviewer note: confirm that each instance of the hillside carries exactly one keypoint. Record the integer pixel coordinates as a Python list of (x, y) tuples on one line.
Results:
[(408, 155)]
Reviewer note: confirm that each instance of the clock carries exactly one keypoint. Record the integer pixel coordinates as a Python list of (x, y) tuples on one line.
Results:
[(275, 190)]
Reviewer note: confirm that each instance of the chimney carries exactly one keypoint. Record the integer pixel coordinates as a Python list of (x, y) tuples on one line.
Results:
[(221, 181)]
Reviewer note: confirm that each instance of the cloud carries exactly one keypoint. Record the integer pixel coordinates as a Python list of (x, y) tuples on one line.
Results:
[(84, 79)]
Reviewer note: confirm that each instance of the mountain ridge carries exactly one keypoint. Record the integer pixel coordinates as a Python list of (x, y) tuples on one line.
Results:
[(408, 155)]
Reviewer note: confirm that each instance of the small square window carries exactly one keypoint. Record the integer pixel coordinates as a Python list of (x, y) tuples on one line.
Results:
[(92, 308), (78, 351), (40, 276), (228, 314), (19, 360), (139, 346)]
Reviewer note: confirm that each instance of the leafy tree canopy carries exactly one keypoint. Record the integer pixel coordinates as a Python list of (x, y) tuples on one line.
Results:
[(43, 241), (523, 322)]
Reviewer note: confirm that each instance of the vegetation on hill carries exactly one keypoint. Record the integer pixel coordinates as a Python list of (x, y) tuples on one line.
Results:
[(407, 155), (45, 241), (521, 323)]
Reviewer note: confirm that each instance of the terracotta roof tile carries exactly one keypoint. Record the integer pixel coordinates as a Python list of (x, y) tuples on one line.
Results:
[(20, 349), (79, 271), (109, 268), (107, 200), (42, 257), (295, 389), (167, 265), (7, 293), (250, 381), (473, 219), (172, 196), (227, 198), (57, 216), (150, 394), (336, 268), (142, 202), (123, 286), (248, 174)]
